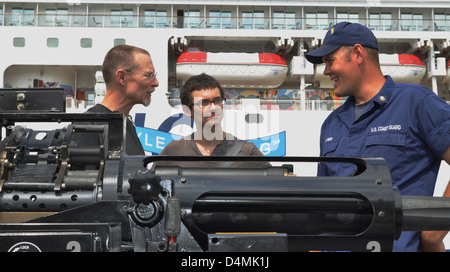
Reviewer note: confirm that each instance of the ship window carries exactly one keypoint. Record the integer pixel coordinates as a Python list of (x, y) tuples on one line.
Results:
[(285, 20), (291, 21), (412, 22), (149, 18), (127, 18), (226, 19), (214, 19), (16, 16), (441, 22), (86, 42), (62, 16), (49, 16), (161, 19), (348, 17), (258, 17), (155, 18), (52, 42), (115, 18), (253, 20), (247, 18), (119, 41), (322, 20), (22, 17), (380, 21), (121, 18), (219, 19), (19, 42), (310, 20), (192, 19), (56, 17), (374, 21), (278, 20), (28, 17), (78, 19), (317, 20), (192, 49), (386, 21)]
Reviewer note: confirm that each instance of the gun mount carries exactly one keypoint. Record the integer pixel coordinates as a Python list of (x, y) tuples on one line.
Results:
[(50, 203)]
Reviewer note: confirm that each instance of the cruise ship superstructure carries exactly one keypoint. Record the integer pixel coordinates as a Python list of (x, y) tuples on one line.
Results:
[(63, 43)]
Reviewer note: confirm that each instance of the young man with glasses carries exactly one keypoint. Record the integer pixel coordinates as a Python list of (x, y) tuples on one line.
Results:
[(130, 79), (203, 100)]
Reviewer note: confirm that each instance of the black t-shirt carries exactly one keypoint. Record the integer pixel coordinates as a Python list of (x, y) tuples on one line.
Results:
[(187, 147), (133, 144)]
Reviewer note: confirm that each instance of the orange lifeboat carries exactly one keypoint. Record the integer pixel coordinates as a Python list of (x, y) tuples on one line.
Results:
[(403, 68), (234, 70)]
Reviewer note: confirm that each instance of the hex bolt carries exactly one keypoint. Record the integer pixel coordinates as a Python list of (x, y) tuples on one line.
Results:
[(20, 96)]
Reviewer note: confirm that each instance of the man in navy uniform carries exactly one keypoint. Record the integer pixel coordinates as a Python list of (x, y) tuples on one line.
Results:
[(406, 124)]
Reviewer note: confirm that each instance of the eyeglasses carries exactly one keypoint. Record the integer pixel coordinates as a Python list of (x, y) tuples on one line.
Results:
[(205, 103), (150, 76)]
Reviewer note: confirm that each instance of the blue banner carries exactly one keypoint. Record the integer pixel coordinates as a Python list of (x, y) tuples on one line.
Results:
[(274, 145), (154, 141)]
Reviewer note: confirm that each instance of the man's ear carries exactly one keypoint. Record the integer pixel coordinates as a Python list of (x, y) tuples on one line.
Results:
[(187, 111), (120, 76), (359, 51)]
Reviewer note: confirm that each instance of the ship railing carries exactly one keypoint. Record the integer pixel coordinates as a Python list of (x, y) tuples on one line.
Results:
[(156, 20)]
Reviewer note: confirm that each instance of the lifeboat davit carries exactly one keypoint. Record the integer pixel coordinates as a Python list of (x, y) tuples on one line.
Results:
[(234, 70), (403, 68)]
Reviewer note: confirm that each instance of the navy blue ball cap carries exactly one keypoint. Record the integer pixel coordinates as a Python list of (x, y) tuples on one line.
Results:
[(342, 34)]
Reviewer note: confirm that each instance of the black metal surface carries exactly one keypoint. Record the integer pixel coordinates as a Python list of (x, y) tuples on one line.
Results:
[(425, 213), (55, 237), (358, 162), (33, 99), (194, 209), (116, 122), (248, 204)]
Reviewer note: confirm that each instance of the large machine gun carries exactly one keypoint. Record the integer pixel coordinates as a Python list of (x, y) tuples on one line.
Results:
[(58, 196)]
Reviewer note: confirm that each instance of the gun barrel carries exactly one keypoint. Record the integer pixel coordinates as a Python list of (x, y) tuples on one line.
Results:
[(425, 213)]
